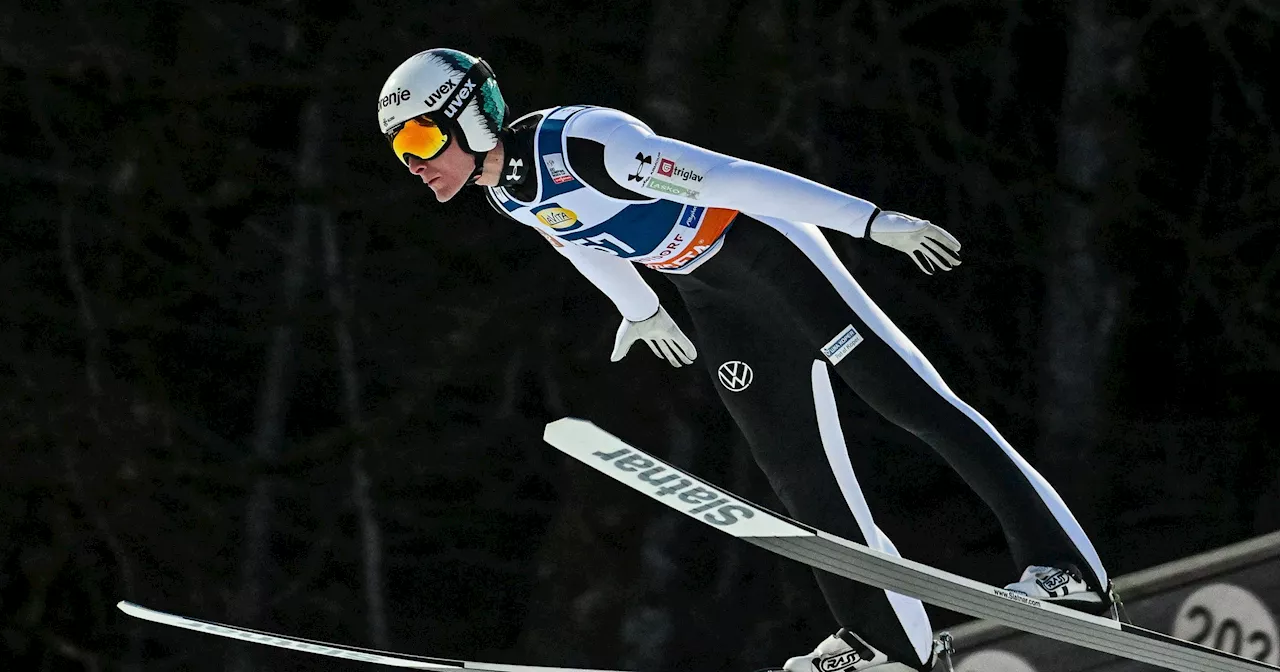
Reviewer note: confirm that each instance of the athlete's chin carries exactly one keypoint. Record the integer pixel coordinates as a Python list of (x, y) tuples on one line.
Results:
[(445, 192)]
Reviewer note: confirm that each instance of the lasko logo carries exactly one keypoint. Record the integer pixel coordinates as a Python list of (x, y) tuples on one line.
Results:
[(394, 98), (439, 93), (712, 505), (736, 376), (461, 101), (842, 344), (669, 188), (557, 218)]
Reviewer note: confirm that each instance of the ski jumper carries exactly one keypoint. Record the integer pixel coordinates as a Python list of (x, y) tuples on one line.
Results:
[(774, 312)]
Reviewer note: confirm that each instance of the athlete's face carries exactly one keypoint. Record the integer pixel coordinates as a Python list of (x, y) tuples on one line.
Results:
[(446, 174)]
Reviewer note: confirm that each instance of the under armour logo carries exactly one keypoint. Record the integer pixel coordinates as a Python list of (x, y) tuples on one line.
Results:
[(735, 376), (644, 159), (515, 165)]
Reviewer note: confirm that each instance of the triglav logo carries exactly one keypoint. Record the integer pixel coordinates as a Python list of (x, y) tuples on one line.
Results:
[(670, 169), (686, 174), (735, 376)]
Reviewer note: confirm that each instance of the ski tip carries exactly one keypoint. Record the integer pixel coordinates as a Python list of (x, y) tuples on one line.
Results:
[(562, 425), (136, 610), (128, 607)]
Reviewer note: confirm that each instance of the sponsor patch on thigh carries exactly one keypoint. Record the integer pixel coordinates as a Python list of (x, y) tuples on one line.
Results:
[(842, 344)]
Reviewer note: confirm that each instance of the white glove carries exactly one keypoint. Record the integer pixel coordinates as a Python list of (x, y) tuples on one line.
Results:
[(662, 335), (929, 245)]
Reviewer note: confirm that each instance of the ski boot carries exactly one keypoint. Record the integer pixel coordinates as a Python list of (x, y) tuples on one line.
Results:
[(847, 652), (1065, 586)]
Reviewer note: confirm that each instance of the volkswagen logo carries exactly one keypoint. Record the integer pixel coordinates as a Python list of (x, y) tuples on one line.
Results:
[(735, 376)]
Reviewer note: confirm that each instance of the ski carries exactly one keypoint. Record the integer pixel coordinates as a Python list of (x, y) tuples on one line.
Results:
[(725, 511), (327, 649)]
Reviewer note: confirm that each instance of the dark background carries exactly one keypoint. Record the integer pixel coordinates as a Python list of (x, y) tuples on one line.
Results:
[(253, 372)]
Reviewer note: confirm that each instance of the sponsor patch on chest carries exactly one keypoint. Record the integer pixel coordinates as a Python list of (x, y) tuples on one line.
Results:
[(557, 218), (556, 168)]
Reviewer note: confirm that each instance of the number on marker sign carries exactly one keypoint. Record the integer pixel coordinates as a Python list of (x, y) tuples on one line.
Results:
[(1231, 619)]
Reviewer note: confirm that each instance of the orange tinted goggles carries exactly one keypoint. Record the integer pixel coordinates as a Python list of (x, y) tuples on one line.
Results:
[(420, 137)]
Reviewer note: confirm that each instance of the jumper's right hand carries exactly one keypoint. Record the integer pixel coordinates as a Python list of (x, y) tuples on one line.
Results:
[(929, 245), (661, 334)]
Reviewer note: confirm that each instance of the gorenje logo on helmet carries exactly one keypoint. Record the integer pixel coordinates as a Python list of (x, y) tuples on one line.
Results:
[(460, 99), (396, 98), (439, 93)]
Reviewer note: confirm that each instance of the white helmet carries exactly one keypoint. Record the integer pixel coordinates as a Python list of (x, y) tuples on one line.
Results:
[(453, 88)]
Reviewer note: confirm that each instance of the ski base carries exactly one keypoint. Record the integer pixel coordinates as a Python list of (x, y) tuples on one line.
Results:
[(718, 508), (329, 649)]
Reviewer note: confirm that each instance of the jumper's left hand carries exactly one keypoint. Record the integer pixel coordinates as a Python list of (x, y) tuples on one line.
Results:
[(660, 333), (929, 245)]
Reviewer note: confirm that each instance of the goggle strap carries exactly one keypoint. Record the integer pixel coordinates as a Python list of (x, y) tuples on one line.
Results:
[(470, 85)]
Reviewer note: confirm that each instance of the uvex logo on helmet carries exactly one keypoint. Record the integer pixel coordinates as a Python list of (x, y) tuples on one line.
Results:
[(395, 98), (460, 100), (434, 96)]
